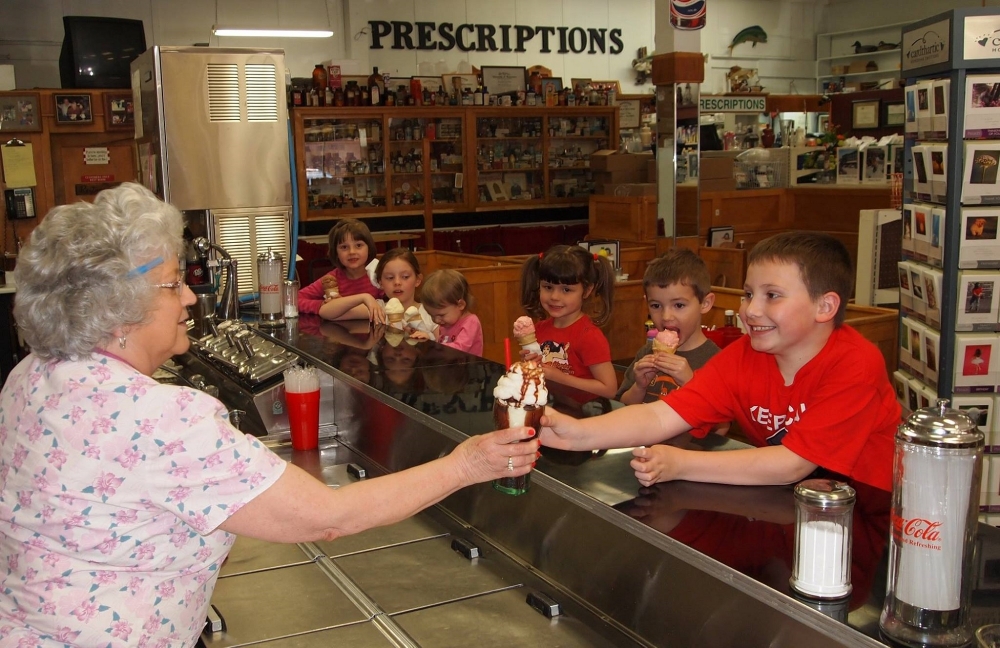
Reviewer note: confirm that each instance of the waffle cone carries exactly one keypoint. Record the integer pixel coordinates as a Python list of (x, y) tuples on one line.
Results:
[(663, 348), (525, 340), (394, 318)]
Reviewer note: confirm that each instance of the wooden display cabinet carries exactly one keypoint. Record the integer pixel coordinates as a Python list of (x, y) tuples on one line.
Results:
[(408, 161)]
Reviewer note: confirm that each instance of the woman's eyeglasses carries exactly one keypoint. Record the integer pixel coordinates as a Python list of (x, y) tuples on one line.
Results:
[(175, 285)]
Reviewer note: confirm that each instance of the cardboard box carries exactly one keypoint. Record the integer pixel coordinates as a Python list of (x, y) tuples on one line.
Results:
[(627, 218), (608, 160), (628, 189), (716, 184), (857, 67), (621, 176), (715, 168)]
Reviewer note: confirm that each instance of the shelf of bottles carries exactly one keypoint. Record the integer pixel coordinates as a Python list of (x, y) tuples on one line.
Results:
[(406, 162), (344, 164), (447, 161), (571, 141), (509, 159)]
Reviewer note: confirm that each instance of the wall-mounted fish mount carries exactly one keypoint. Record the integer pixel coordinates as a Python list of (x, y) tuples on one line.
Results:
[(754, 34)]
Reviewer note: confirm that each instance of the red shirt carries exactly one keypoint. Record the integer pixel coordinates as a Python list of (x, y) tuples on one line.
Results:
[(840, 412), (465, 335), (574, 349), (311, 297)]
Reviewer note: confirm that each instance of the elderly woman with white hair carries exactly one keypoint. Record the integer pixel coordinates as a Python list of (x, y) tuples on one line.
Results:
[(119, 496)]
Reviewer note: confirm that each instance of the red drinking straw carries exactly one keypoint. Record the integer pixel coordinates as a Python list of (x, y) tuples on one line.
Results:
[(506, 351)]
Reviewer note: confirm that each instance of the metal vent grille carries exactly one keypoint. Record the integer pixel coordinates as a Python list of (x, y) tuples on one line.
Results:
[(244, 234), (223, 92), (262, 94)]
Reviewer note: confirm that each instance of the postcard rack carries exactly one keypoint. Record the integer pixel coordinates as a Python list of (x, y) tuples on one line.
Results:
[(950, 272)]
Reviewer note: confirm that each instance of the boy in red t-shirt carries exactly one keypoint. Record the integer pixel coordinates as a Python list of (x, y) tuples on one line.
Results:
[(806, 389)]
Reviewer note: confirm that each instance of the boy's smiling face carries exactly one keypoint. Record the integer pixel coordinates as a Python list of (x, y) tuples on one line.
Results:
[(782, 318), (676, 307)]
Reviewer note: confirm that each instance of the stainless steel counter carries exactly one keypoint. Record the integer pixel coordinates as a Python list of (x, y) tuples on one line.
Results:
[(677, 565)]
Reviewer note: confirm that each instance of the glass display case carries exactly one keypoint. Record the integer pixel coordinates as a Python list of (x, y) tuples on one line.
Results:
[(572, 138), (509, 158), (343, 164), (402, 160)]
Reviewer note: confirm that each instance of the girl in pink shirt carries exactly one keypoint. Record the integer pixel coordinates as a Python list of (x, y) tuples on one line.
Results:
[(446, 298), (346, 292)]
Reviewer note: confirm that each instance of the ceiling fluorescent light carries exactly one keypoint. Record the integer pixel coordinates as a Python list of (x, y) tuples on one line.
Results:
[(279, 33)]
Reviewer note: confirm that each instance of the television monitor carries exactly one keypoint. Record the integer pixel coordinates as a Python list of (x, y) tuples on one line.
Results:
[(96, 51)]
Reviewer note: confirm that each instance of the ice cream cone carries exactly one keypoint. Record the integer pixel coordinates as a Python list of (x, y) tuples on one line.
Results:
[(525, 340), (659, 347)]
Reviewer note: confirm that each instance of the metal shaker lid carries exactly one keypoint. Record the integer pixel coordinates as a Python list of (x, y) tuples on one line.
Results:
[(941, 427), (270, 255), (824, 492)]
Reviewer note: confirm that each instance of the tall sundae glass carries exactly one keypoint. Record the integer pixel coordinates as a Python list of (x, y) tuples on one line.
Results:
[(520, 401)]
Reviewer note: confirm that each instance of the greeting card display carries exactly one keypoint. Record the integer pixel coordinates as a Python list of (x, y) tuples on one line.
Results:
[(935, 254), (911, 359), (894, 159), (900, 380), (939, 107), (922, 216), (982, 106), (977, 301), (924, 89), (908, 241), (918, 330), (937, 155), (918, 301), (931, 354), (979, 178), (928, 396), (980, 248), (913, 389), (976, 362), (921, 171), (979, 409), (905, 295), (873, 161), (932, 294), (910, 93), (848, 170)]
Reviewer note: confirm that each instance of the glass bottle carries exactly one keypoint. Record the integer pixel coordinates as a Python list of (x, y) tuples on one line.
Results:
[(374, 91), (936, 477), (319, 83)]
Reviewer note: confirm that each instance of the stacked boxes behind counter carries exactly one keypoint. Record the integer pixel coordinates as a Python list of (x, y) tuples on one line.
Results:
[(622, 174), (717, 171)]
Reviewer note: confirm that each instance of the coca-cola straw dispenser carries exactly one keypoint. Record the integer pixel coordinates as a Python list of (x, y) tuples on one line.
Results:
[(935, 498), (270, 271)]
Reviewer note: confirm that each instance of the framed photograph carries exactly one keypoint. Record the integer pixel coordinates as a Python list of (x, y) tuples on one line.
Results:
[(430, 83), (606, 85), (865, 114), (893, 113), (73, 109), (497, 191), (629, 113), (551, 85), (501, 80), (721, 236), (605, 248), (456, 83), (19, 113), (119, 113)]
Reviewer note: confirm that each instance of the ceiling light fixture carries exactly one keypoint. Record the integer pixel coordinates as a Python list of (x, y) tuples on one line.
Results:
[(279, 33)]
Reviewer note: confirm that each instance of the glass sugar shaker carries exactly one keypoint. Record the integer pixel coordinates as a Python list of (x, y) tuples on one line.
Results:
[(935, 497), (270, 269), (823, 521)]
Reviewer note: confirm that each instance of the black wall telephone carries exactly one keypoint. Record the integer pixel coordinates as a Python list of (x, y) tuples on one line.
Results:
[(20, 202)]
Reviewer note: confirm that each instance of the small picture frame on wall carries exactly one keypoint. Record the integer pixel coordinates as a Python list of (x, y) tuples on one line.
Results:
[(721, 236), (893, 113), (119, 113), (606, 248), (865, 114), (73, 109), (19, 113)]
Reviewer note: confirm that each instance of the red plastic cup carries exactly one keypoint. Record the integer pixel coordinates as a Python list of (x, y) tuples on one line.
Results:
[(303, 419)]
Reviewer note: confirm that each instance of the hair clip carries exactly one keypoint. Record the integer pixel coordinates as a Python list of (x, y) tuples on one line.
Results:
[(596, 257), (541, 255)]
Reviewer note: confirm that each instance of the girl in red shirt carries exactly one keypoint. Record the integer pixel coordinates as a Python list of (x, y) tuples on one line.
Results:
[(555, 286)]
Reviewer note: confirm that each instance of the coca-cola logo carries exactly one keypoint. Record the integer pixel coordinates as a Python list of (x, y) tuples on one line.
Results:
[(917, 531), (270, 288)]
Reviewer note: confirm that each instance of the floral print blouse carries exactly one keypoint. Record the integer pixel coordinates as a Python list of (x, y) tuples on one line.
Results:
[(112, 487)]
